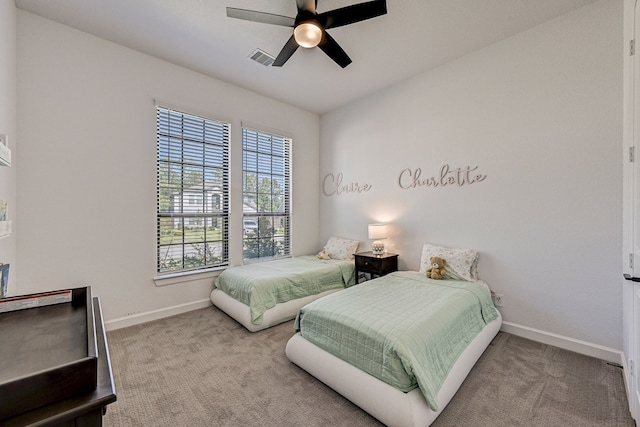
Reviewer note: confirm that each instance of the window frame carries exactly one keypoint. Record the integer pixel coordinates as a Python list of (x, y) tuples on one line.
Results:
[(272, 237), (192, 163)]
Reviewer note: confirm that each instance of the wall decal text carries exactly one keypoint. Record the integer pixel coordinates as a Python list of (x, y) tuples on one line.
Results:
[(460, 176), (333, 185)]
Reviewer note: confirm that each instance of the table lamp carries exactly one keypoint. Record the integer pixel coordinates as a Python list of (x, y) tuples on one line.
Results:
[(377, 232)]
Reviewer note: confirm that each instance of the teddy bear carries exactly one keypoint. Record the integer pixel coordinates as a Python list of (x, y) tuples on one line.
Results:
[(323, 254), (437, 270)]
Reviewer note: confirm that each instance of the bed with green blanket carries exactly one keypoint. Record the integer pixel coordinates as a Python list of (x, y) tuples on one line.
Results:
[(264, 294), (398, 346)]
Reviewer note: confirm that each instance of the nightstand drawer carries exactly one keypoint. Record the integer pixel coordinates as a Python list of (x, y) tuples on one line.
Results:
[(378, 265)]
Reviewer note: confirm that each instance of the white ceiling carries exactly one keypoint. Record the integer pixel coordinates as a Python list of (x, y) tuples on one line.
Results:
[(414, 36)]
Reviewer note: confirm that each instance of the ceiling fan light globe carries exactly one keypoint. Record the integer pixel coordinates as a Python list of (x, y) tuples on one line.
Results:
[(307, 34)]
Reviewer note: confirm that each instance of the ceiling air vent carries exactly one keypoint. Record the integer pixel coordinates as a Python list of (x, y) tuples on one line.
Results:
[(262, 57)]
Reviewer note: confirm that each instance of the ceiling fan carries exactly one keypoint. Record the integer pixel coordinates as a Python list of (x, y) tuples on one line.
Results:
[(309, 27)]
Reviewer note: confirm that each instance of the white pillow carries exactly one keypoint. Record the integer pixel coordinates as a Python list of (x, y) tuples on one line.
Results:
[(461, 263), (339, 248)]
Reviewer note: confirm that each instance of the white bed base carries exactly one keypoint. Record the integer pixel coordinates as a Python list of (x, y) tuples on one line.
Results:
[(280, 313), (384, 402)]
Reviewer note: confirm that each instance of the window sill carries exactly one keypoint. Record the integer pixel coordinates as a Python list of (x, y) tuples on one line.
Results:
[(187, 276)]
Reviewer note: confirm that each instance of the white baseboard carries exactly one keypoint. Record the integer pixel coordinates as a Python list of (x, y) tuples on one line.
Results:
[(136, 319), (582, 347)]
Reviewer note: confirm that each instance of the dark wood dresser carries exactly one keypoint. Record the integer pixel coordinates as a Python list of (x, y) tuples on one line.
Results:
[(47, 397)]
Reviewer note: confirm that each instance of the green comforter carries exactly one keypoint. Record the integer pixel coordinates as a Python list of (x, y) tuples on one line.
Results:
[(263, 285), (404, 328)]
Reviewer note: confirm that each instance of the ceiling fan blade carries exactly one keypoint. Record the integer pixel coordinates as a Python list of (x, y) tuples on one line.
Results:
[(307, 5), (265, 18), (286, 52), (333, 50), (354, 13)]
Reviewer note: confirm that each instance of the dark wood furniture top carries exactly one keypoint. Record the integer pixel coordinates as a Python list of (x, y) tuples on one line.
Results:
[(49, 350), (82, 409), (376, 265)]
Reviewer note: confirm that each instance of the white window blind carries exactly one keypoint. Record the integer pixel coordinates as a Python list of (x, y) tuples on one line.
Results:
[(192, 192), (266, 165)]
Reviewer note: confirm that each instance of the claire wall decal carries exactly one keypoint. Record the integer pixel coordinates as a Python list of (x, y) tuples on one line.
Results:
[(467, 175), (333, 185)]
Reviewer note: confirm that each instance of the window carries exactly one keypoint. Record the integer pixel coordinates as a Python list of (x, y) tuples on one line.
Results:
[(192, 192), (265, 194)]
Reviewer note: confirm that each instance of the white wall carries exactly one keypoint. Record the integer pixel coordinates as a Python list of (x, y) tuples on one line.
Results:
[(8, 126), (540, 114), (87, 165)]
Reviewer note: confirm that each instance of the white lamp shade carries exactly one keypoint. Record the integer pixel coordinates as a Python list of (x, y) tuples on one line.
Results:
[(377, 231), (307, 34)]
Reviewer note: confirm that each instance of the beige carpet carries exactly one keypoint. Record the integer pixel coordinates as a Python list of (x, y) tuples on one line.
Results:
[(203, 369)]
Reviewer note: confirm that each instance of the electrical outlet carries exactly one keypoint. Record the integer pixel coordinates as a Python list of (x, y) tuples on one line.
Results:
[(498, 300)]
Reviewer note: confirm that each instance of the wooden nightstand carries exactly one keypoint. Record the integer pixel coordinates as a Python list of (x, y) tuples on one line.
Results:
[(375, 265)]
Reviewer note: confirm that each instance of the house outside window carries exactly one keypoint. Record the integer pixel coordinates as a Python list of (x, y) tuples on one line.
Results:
[(266, 164), (192, 192)]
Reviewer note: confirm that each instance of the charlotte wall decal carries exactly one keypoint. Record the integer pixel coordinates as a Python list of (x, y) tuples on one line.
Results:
[(460, 176), (332, 185)]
